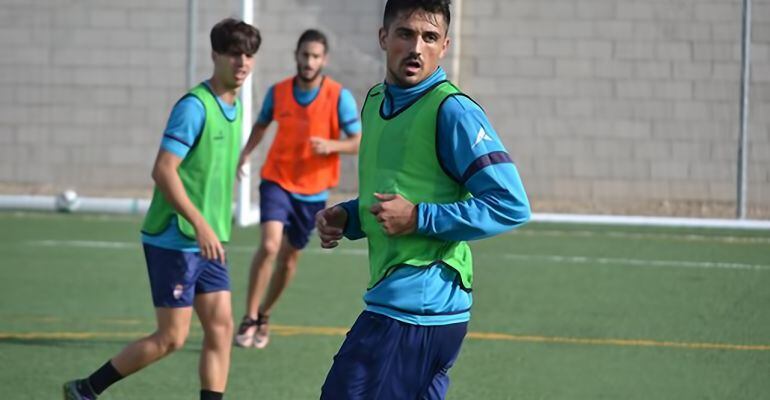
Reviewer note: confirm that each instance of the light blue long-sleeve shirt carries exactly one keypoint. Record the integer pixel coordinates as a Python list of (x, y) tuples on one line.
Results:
[(471, 152)]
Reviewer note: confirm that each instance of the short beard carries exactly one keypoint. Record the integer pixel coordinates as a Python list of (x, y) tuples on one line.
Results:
[(308, 80)]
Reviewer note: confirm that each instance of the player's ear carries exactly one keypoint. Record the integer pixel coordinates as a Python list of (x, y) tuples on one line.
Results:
[(383, 34), (444, 47)]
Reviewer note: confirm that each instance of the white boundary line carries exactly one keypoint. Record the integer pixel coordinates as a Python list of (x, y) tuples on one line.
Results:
[(631, 262), (133, 206), (652, 221)]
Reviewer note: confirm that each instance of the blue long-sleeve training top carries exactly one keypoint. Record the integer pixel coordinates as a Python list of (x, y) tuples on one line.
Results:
[(471, 151)]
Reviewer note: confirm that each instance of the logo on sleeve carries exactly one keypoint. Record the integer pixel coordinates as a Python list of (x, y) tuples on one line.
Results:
[(481, 136)]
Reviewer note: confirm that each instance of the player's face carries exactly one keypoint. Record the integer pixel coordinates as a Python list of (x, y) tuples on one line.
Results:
[(413, 43), (311, 60), (232, 69)]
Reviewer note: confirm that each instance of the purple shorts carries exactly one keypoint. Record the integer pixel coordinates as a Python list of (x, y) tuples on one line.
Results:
[(176, 277), (382, 358), (298, 217)]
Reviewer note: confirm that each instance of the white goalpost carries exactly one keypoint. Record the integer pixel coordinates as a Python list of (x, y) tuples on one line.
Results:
[(246, 213)]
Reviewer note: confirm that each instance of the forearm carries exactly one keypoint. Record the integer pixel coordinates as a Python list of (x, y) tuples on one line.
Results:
[(257, 133), (499, 204), (348, 145), (472, 219)]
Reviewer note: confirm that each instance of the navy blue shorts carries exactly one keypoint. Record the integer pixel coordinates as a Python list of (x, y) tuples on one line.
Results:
[(383, 358), (177, 276), (298, 217)]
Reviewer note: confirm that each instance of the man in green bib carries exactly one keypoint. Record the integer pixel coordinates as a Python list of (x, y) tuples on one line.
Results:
[(433, 174), (188, 220)]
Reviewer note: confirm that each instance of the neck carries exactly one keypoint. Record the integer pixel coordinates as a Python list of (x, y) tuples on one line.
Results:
[(223, 92), (307, 85)]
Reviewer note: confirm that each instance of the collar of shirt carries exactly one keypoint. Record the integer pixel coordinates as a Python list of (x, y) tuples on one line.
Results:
[(397, 97)]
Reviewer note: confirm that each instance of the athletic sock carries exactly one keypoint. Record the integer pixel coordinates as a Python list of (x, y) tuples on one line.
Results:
[(209, 395), (104, 377)]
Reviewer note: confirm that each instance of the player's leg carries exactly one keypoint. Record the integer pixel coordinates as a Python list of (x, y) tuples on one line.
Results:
[(361, 365), (259, 278), (297, 235), (214, 311), (170, 335), (214, 308), (275, 207), (172, 275), (385, 358), (446, 342), (285, 268)]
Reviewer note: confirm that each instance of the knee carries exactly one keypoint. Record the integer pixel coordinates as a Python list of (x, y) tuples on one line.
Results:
[(219, 330), (226, 326), (170, 342), (270, 247)]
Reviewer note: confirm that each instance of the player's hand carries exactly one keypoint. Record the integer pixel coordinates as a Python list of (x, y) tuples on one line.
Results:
[(330, 223), (322, 147), (211, 247), (396, 215), (240, 172)]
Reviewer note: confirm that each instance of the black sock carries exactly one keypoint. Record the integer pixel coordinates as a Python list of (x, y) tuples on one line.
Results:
[(209, 395), (103, 377)]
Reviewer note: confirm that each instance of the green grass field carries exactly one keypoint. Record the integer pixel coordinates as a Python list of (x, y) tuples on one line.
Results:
[(561, 312)]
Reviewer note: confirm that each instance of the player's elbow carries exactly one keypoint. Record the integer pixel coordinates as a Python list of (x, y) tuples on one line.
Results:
[(155, 174), (521, 213), (354, 144), (161, 170), (513, 211)]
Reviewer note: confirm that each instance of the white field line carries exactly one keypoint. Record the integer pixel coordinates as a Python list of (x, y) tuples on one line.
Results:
[(635, 262), (646, 236), (509, 256)]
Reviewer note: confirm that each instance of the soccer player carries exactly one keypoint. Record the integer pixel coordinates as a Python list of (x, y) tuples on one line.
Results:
[(188, 220), (433, 174), (303, 163)]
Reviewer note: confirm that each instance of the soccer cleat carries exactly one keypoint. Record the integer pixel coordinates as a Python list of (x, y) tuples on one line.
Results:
[(246, 332), (71, 392), (262, 336)]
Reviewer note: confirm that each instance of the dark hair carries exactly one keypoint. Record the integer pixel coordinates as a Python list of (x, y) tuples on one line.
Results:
[(394, 7), (234, 36), (313, 35)]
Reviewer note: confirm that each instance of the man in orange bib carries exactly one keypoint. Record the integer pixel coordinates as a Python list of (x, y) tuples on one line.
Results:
[(303, 163)]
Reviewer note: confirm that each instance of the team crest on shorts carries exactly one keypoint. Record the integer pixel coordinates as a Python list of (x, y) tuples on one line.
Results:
[(178, 291)]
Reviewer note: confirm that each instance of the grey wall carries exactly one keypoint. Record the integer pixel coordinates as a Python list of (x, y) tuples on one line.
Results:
[(606, 105), (623, 104)]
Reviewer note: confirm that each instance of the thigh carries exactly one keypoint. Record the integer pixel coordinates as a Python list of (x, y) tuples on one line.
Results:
[(173, 275), (447, 345), (361, 365), (274, 203), (302, 221), (214, 309), (173, 322), (424, 356)]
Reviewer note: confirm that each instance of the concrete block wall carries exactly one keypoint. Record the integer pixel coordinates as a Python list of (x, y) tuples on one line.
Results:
[(605, 105), (617, 104)]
